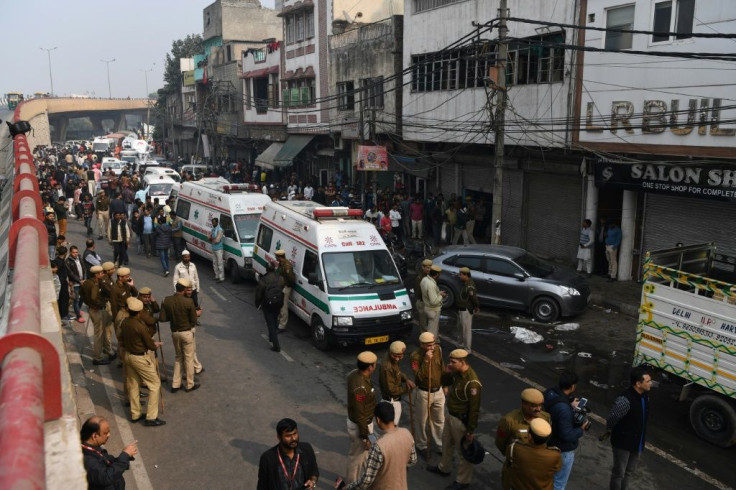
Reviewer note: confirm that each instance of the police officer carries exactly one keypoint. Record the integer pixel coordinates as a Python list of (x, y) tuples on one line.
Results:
[(429, 399), (515, 424), (94, 297), (392, 381), (123, 289), (532, 465), (433, 298), (361, 405), (180, 311), (151, 309), (268, 282), (467, 306), (137, 342), (421, 274), (463, 405), (286, 271)]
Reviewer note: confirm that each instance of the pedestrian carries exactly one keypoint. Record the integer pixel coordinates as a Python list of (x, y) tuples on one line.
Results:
[(585, 246), (50, 224), (463, 407), (429, 399), (93, 296), (137, 341), (531, 465), (361, 405), (186, 269), (470, 212), (137, 227), (88, 210), (177, 234), (180, 311), (118, 235), (566, 432), (613, 243), (62, 273), (467, 306), (270, 299), (387, 461), (286, 271), (421, 274), (75, 276), (146, 227), (392, 381), (433, 299), (61, 214), (395, 217), (162, 239), (416, 213), (216, 238), (102, 208), (104, 471), (290, 463), (461, 222), (627, 426), (515, 424)]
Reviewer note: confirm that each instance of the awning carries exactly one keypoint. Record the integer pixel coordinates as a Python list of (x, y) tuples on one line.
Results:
[(265, 159), (263, 72), (293, 146)]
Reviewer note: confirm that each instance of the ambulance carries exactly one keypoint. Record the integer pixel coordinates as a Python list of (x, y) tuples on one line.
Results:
[(347, 288), (236, 206)]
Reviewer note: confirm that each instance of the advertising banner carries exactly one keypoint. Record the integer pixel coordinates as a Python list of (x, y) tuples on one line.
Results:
[(374, 158)]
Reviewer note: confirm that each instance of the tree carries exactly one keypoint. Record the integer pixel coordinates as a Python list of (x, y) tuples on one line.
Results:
[(181, 48)]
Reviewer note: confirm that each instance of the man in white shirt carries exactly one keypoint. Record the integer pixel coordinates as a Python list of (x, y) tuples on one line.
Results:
[(395, 216), (187, 270), (308, 192)]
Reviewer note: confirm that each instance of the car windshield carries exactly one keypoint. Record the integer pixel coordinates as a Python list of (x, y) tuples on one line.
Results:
[(160, 189), (366, 268), (246, 225), (534, 265)]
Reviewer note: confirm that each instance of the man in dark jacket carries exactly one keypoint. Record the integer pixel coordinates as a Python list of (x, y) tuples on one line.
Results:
[(265, 291), (104, 472), (75, 276), (162, 240), (627, 426), (560, 405), (290, 463), (50, 225), (118, 235), (63, 299)]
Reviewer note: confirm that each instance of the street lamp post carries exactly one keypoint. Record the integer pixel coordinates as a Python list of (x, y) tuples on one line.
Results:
[(148, 103), (109, 91), (51, 78)]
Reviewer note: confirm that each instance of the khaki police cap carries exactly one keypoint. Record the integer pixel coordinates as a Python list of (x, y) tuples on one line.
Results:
[(426, 338), (108, 266), (185, 282), (533, 396), (367, 357), (96, 269), (540, 427), (134, 304), (436, 268), (123, 271), (145, 290), (279, 253), (458, 354), (426, 262), (397, 347), (464, 270)]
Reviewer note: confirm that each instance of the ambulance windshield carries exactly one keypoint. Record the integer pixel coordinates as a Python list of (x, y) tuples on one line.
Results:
[(366, 268), (246, 225)]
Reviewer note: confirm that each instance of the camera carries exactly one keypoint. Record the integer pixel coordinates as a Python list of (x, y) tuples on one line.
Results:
[(580, 414)]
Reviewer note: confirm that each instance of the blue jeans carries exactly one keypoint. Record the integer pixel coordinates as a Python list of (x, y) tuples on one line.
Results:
[(561, 477), (163, 254)]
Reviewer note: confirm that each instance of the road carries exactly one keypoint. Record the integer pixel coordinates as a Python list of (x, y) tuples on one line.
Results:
[(215, 435)]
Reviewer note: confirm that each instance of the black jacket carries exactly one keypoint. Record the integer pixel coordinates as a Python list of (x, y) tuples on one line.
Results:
[(565, 434), (51, 231), (269, 466), (72, 272), (630, 432), (105, 472)]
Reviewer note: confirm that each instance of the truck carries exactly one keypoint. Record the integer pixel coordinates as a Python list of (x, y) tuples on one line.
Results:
[(687, 328)]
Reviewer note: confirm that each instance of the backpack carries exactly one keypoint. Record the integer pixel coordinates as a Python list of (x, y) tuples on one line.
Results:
[(273, 297)]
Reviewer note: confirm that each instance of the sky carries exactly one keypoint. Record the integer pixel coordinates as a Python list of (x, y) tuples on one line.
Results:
[(136, 33)]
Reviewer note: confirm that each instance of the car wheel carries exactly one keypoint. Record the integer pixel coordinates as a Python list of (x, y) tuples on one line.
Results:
[(231, 269), (714, 420), (545, 309), (449, 299), (319, 334)]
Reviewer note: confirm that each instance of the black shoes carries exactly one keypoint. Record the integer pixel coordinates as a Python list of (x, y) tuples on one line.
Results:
[(138, 419), (436, 469), (101, 362), (197, 374), (174, 390), (194, 387), (276, 348), (154, 423)]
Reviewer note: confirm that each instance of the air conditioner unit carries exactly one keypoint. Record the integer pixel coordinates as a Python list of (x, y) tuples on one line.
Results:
[(337, 141)]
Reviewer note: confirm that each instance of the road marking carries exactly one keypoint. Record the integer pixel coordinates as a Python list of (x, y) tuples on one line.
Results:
[(286, 356), (218, 294), (659, 452)]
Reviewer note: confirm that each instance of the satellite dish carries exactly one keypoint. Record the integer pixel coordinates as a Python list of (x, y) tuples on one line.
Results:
[(347, 17)]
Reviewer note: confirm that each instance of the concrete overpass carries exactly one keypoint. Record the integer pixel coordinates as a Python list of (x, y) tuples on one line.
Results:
[(50, 117)]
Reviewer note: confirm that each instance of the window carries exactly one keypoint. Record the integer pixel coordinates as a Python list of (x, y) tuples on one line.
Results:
[(681, 23), (501, 267), (289, 29), (299, 26), (311, 265), (259, 55), (299, 92), (265, 236), (273, 92), (260, 94), (372, 93), (619, 18), (228, 229), (248, 93), (472, 263), (182, 209), (299, 18), (246, 225), (310, 24), (346, 96), (422, 5), (452, 70), (535, 60), (229, 53)]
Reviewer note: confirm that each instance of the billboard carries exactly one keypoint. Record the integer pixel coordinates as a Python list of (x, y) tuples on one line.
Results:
[(374, 158)]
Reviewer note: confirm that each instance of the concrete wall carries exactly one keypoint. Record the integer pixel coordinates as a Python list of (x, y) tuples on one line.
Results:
[(244, 20)]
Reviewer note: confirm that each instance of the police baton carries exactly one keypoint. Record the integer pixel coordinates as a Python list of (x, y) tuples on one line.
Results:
[(162, 374), (411, 411)]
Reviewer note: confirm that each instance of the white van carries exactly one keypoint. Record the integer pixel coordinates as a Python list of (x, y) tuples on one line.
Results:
[(197, 171), (157, 186), (347, 289), (169, 172), (236, 206)]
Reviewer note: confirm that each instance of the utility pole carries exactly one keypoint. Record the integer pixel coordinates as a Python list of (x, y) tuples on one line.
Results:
[(497, 212), (148, 105), (51, 78), (109, 90)]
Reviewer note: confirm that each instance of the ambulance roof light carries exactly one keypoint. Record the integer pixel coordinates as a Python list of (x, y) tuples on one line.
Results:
[(336, 213), (239, 187)]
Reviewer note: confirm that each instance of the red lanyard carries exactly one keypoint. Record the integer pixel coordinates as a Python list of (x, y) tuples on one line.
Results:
[(98, 453), (286, 473)]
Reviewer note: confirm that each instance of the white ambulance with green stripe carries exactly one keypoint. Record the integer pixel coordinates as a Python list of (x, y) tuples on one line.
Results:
[(347, 289), (236, 206)]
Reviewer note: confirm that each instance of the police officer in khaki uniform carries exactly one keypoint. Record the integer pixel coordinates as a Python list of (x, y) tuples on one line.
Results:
[(149, 314), (123, 289), (137, 342), (463, 405), (433, 298), (107, 281), (515, 424), (94, 297), (286, 271), (421, 274), (467, 306), (429, 398), (180, 311), (532, 465), (392, 381), (361, 404)]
